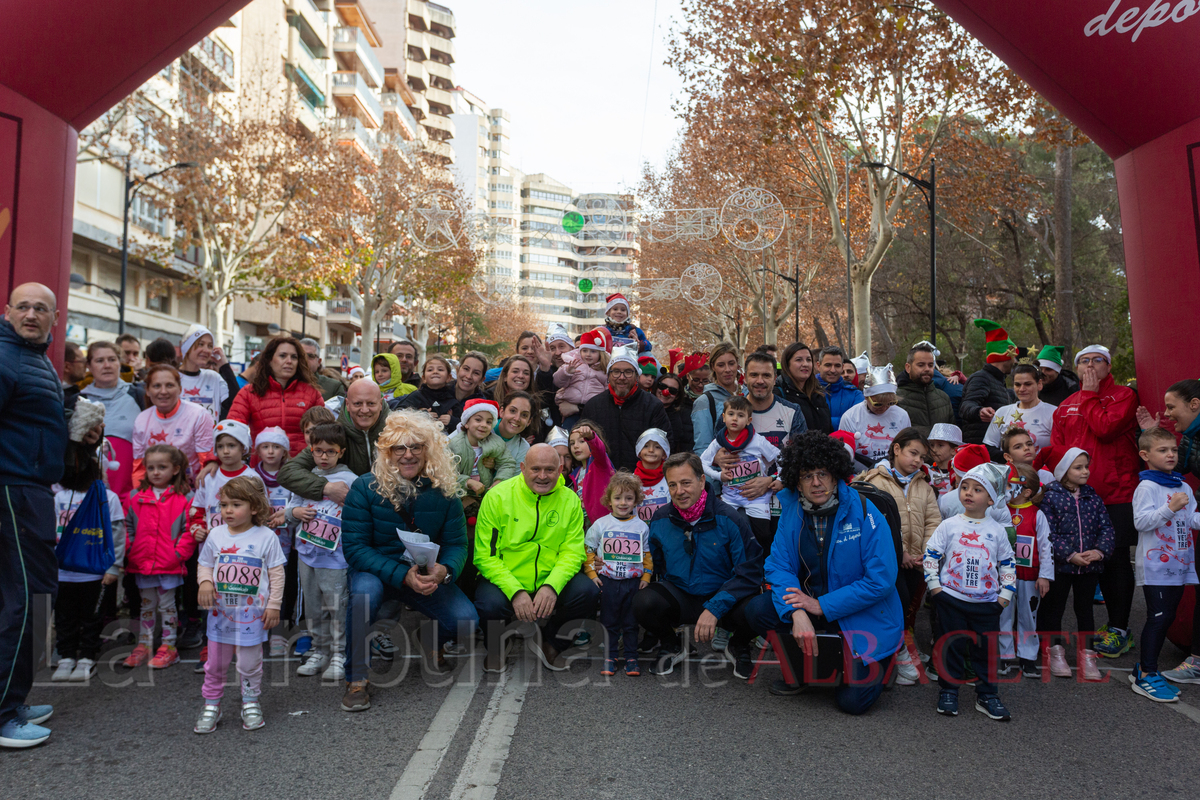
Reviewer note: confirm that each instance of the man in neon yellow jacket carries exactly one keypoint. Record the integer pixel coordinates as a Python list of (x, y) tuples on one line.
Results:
[(529, 550)]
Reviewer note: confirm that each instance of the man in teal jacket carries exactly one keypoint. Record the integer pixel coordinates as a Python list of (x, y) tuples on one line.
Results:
[(529, 550)]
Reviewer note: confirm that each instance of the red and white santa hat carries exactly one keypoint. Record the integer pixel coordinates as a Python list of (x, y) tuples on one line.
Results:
[(477, 406), (968, 457), (847, 440), (597, 339), (613, 300), (1057, 459)]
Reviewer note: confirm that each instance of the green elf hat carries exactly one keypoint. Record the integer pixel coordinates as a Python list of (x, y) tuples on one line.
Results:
[(999, 346), (1051, 357)]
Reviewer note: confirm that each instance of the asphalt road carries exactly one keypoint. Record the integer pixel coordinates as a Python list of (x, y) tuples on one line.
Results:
[(532, 733)]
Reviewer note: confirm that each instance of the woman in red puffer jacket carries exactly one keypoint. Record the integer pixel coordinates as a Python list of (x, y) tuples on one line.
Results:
[(280, 394)]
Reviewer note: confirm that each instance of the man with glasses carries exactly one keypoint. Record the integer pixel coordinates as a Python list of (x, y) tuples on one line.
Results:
[(987, 389), (1101, 419), (33, 444), (406, 352), (624, 411), (330, 387)]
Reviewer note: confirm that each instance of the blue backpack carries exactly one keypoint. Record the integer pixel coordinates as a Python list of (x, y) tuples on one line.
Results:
[(86, 544)]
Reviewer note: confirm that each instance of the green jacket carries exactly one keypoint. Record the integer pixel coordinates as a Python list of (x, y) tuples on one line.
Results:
[(503, 465), (524, 541), (296, 474), (330, 387), (926, 405)]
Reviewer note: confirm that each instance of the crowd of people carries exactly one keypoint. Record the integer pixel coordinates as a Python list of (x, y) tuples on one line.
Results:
[(805, 503)]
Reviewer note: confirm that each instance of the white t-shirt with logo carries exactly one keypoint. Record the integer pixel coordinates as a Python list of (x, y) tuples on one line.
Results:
[(653, 498), (208, 496), (240, 564), (755, 460), (622, 545), (873, 433), (1037, 421), (208, 389)]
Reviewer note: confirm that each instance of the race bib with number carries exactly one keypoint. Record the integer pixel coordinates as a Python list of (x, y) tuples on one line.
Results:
[(238, 575), (323, 531), (619, 546), (746, 469), (1023, 549), (621, 341)]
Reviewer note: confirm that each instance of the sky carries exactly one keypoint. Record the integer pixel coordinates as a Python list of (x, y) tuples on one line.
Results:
[(574, 76)]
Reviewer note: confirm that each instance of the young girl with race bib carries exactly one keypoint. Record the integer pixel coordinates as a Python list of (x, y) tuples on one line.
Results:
[(1030, 536), (592, 469), (231, 440), (618, 561), (324, 579), (652, 448), (159, 548), (271, 447), (241, 570)]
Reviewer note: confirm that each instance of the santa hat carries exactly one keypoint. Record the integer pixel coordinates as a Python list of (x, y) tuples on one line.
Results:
[(879, 380), (675, 355), (1051, 357), (558, 437), (862, 363), (993, 478), (968, 457), (1097, 349), (272, 435), (648, 365), (945, 432), (240, 432), (558, 332), (473, 407), (657, 435), (1057, 459), (189, 338), (692, 363), (356, 371), (626, 354), (847, 440), (597, 339), (615, 299), (87, 415), (998, 346)]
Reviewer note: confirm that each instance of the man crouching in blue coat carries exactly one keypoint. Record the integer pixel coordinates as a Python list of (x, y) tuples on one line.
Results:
[(832, 570)]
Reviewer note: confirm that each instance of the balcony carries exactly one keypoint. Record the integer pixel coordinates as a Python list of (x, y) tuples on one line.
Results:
[(354, 13), (334, 353), (419, 107), (392, 105), (417, 75), (312, 21), (440, 15), (340, 311), (351, 92), (418, 15), (354, 54), (440, 44), (442, 150), (419, 41), (308, 116), (444, 125), (437, 69), (213, 63), (441, 97), (351, 131), (313, 67)]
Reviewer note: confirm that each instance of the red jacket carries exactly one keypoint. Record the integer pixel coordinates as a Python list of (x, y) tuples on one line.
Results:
[(1104, 424), (278, 407), (159, 541)]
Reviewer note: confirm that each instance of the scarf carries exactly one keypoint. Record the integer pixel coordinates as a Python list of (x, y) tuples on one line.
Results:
[(739, 442), (692, 515), (269, 480), (903, 480), (827, 510), (1172, 480), (620, 401), (649, 477)]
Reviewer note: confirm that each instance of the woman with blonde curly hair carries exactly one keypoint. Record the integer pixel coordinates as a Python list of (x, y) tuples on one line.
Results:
[(413, 486)]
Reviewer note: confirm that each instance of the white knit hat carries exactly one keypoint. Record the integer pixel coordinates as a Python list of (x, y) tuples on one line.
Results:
[(879, 380), (657, 435), (625, 354), (1094, 348), (945, 432), (87, 415), (273, 435), (558, 437), (558, 332), (238, 430), (189, 338)]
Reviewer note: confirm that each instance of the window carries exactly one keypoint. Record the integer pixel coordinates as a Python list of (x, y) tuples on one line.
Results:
[(147, 213), (553, 197), (158, 299)]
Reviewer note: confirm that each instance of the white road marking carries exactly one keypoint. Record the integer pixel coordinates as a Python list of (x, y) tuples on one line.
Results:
[(484, 763), (1191, 712), (424, 764)]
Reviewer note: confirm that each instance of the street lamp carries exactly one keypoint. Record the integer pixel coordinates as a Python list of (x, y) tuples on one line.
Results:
[(929, 190), (79, 281), (131, 190)]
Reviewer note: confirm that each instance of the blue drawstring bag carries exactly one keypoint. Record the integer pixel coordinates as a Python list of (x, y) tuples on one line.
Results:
[(86, 544)]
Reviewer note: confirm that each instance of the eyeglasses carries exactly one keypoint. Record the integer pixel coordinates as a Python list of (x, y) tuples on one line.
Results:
[(818, 476), (622, 373), (669, 390), (1085, 361), (402, 449)]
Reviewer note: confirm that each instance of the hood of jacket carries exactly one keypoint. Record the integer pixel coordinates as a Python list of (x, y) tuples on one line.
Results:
[(396, 381)]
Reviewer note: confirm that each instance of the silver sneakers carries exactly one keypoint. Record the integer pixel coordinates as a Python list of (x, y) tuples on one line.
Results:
[(906, 674), (210, 715), (252, 716), (314, 662), (85, 670)]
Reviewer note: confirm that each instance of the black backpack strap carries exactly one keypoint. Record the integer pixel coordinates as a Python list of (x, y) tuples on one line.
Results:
[(712, 409)]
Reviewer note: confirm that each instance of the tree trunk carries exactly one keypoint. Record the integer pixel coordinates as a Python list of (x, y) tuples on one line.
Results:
[(1064, 295), (367, 315), (819, 329), (860, 291)]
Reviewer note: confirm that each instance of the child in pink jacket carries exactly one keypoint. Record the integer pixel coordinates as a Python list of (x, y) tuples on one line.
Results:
[(159, 546), (583, 374)]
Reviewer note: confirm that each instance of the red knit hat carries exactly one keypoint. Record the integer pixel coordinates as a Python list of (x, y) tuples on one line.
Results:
[(597, 339), (693, 362), (968, 457), (847, 440)]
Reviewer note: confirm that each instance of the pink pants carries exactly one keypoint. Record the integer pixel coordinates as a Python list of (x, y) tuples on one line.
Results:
[(249, 667)]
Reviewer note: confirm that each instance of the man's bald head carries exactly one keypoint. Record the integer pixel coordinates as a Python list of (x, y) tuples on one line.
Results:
[(364, 404), (32, 310), (541, 469)]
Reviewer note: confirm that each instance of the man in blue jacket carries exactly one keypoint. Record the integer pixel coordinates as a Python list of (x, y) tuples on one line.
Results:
[(708, 564), (33, 442), (840, 395), (832, 569)]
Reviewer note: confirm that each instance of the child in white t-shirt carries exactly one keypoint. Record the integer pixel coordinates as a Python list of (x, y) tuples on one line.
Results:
[(756, 457), (240, 572), (271, 446), (231, 443), (652, 449)]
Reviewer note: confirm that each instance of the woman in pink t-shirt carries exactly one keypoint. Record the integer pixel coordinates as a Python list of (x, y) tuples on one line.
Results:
[(172, 421)]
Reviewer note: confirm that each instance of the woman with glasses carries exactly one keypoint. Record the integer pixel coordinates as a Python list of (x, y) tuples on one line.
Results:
[(877, 419), (832, 571), (412, 487), (669, 390)]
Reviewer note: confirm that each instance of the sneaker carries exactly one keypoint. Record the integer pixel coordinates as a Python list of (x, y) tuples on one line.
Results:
[(497, 660), (66, 666), (453, 648), (948, 703), (1187, 672), (1007, 666), (192, 635), (252, 716), (279, 647), (1098, 597), (906, 673), (165, 657), (35, 714), (383, 647), (649, 644), (357, 696), (139, 656), (992, 707), (1030, 669), (210, 715), (610, 667), (18, 734), (669, 657), (1058, 662), (1114, 644), (314, 662), (1152, 685), (632, 668), (1088, 670), (85, 670), (336, 671), (303, 645), (720, 640), (743, 665), (199, 670), (781, 688), (759, 644), (582, 639)]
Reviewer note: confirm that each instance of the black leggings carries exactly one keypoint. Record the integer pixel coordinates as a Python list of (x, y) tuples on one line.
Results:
[(1117, 581), (1050, 615), (77, 619), (1161, 605)]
